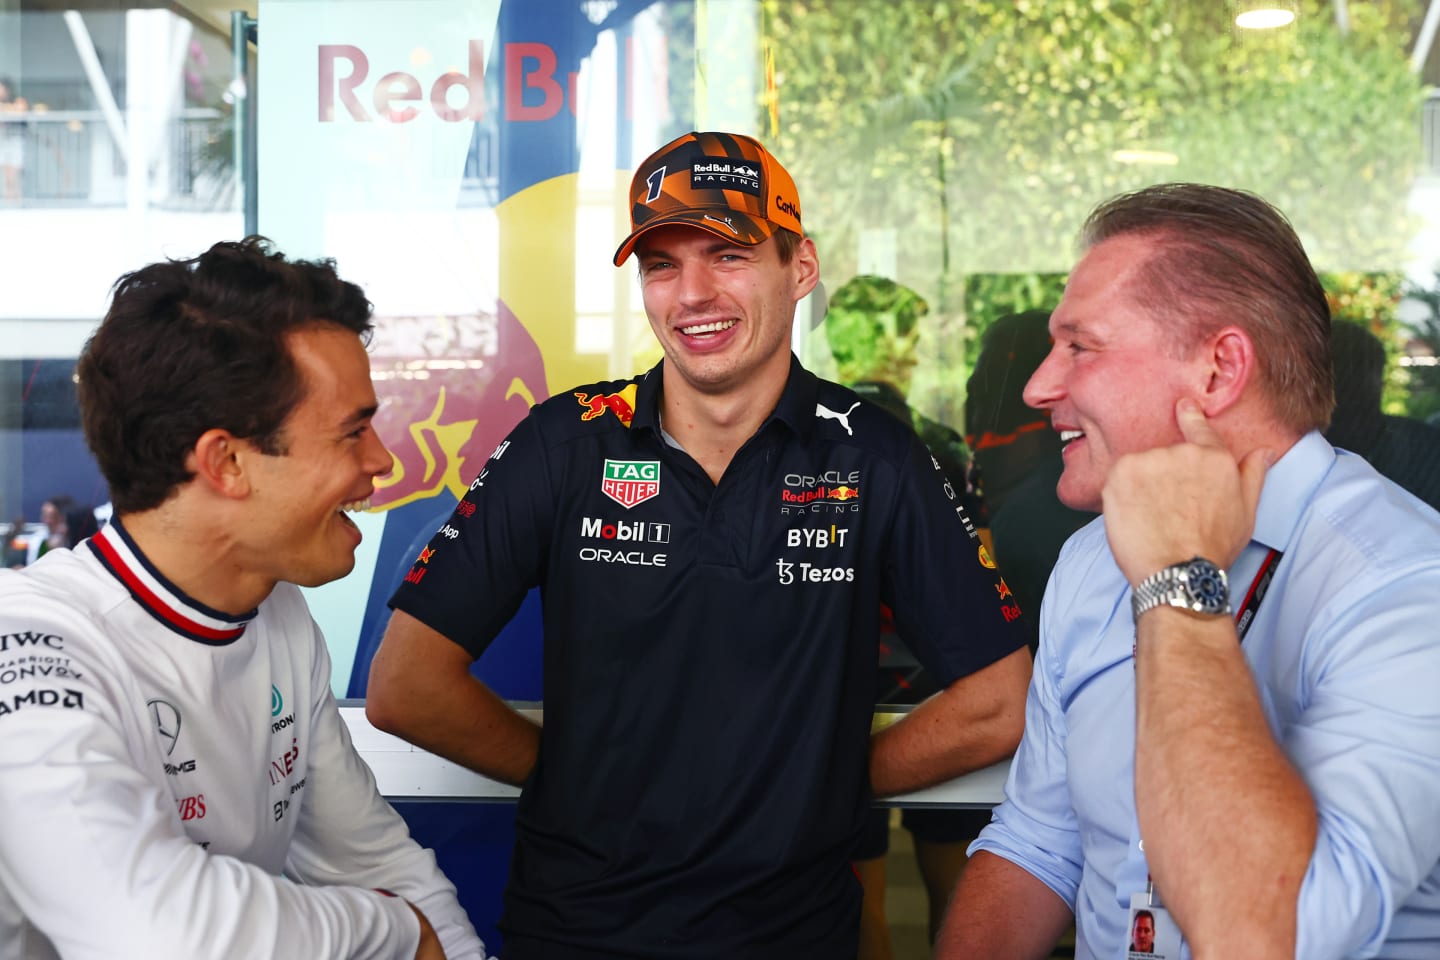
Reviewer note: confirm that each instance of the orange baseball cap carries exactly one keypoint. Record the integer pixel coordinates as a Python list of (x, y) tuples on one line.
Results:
[(725, 183)]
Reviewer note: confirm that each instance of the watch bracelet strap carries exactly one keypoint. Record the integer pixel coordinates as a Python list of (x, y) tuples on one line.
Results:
[(1155, 591)]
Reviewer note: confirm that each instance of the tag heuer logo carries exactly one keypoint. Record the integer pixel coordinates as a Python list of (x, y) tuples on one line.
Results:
[(629, 482)]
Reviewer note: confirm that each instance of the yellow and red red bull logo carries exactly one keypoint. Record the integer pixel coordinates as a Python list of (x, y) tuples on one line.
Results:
[(841, 493), (621, 404)]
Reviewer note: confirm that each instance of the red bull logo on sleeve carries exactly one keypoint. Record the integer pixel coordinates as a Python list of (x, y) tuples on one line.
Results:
[(630, 482), (621, 404)]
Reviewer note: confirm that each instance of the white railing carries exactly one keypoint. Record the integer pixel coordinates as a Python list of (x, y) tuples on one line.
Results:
[(70, 159)]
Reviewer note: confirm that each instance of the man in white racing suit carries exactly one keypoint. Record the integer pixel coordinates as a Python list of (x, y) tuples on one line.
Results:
[(176, 777)]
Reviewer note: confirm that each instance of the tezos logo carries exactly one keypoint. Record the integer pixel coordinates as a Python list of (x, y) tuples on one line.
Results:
[(811, 573)]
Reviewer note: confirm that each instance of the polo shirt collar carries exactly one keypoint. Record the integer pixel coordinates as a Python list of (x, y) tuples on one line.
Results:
[(796, 408), (1289, 485), (157, 596), (647, 400)]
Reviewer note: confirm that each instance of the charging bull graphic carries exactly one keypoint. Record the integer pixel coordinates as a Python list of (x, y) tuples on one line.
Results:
[(478, 375), (450, 389), (621, 404)]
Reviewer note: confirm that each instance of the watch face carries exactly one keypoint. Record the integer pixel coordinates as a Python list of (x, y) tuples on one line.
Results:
[(1206, 586)]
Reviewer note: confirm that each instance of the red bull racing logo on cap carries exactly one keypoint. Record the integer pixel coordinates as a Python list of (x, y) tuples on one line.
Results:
[(621, 404), (629, 482)]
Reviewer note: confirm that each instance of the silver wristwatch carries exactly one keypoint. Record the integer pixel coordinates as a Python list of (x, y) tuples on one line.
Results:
[(1196, 585)]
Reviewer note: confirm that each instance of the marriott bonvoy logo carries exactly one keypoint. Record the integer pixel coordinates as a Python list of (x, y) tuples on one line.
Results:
[(629, 482)]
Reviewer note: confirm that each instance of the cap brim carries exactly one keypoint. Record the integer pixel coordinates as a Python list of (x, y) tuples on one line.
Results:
[(738, 228)]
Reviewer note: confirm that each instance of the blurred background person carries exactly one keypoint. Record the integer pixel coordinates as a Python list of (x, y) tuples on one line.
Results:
[(52, 513), (873, 327), (1017, 461), (15, 544), (1407, 451)]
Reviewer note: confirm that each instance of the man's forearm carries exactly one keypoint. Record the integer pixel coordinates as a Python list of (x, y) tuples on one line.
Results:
[(974, 722), (421, 690), (473, 727), (1229, 826), (1000, 910)]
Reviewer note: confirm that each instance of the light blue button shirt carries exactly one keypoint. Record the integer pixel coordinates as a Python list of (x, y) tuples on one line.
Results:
[(1345, 650)]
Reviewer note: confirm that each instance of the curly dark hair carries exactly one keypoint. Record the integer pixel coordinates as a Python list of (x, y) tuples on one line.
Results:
[(193, 345)]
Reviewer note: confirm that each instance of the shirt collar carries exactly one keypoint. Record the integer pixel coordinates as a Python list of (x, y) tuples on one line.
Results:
[(1289, 485), (796, 408), (159, 597), (647, 400)]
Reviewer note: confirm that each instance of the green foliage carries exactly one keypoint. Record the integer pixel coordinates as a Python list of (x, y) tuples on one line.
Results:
[(990, 296), (871, 325), (983, 131)]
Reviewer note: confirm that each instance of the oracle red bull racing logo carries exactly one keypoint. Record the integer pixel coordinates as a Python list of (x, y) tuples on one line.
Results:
[(621, 404), (829, 491)]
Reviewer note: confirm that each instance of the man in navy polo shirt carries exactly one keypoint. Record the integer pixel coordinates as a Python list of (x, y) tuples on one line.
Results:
[(713, 541)]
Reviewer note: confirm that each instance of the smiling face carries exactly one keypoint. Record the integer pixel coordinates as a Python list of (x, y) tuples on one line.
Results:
[(1112, 377), (721, 311), (297, 499)]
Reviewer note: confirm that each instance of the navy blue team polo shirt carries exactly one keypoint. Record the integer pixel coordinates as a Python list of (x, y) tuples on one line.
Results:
[(709, 664)]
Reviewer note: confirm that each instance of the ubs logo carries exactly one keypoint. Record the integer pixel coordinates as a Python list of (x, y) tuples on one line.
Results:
[(167, 723)]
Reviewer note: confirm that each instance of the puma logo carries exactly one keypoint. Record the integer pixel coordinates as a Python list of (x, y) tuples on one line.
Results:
[(825, 413), (726, 221)]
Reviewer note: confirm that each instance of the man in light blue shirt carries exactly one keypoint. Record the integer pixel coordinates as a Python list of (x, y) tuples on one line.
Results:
[(1256, 763)]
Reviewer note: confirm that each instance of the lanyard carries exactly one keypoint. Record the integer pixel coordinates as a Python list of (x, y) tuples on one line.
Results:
[(1256, 594)]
